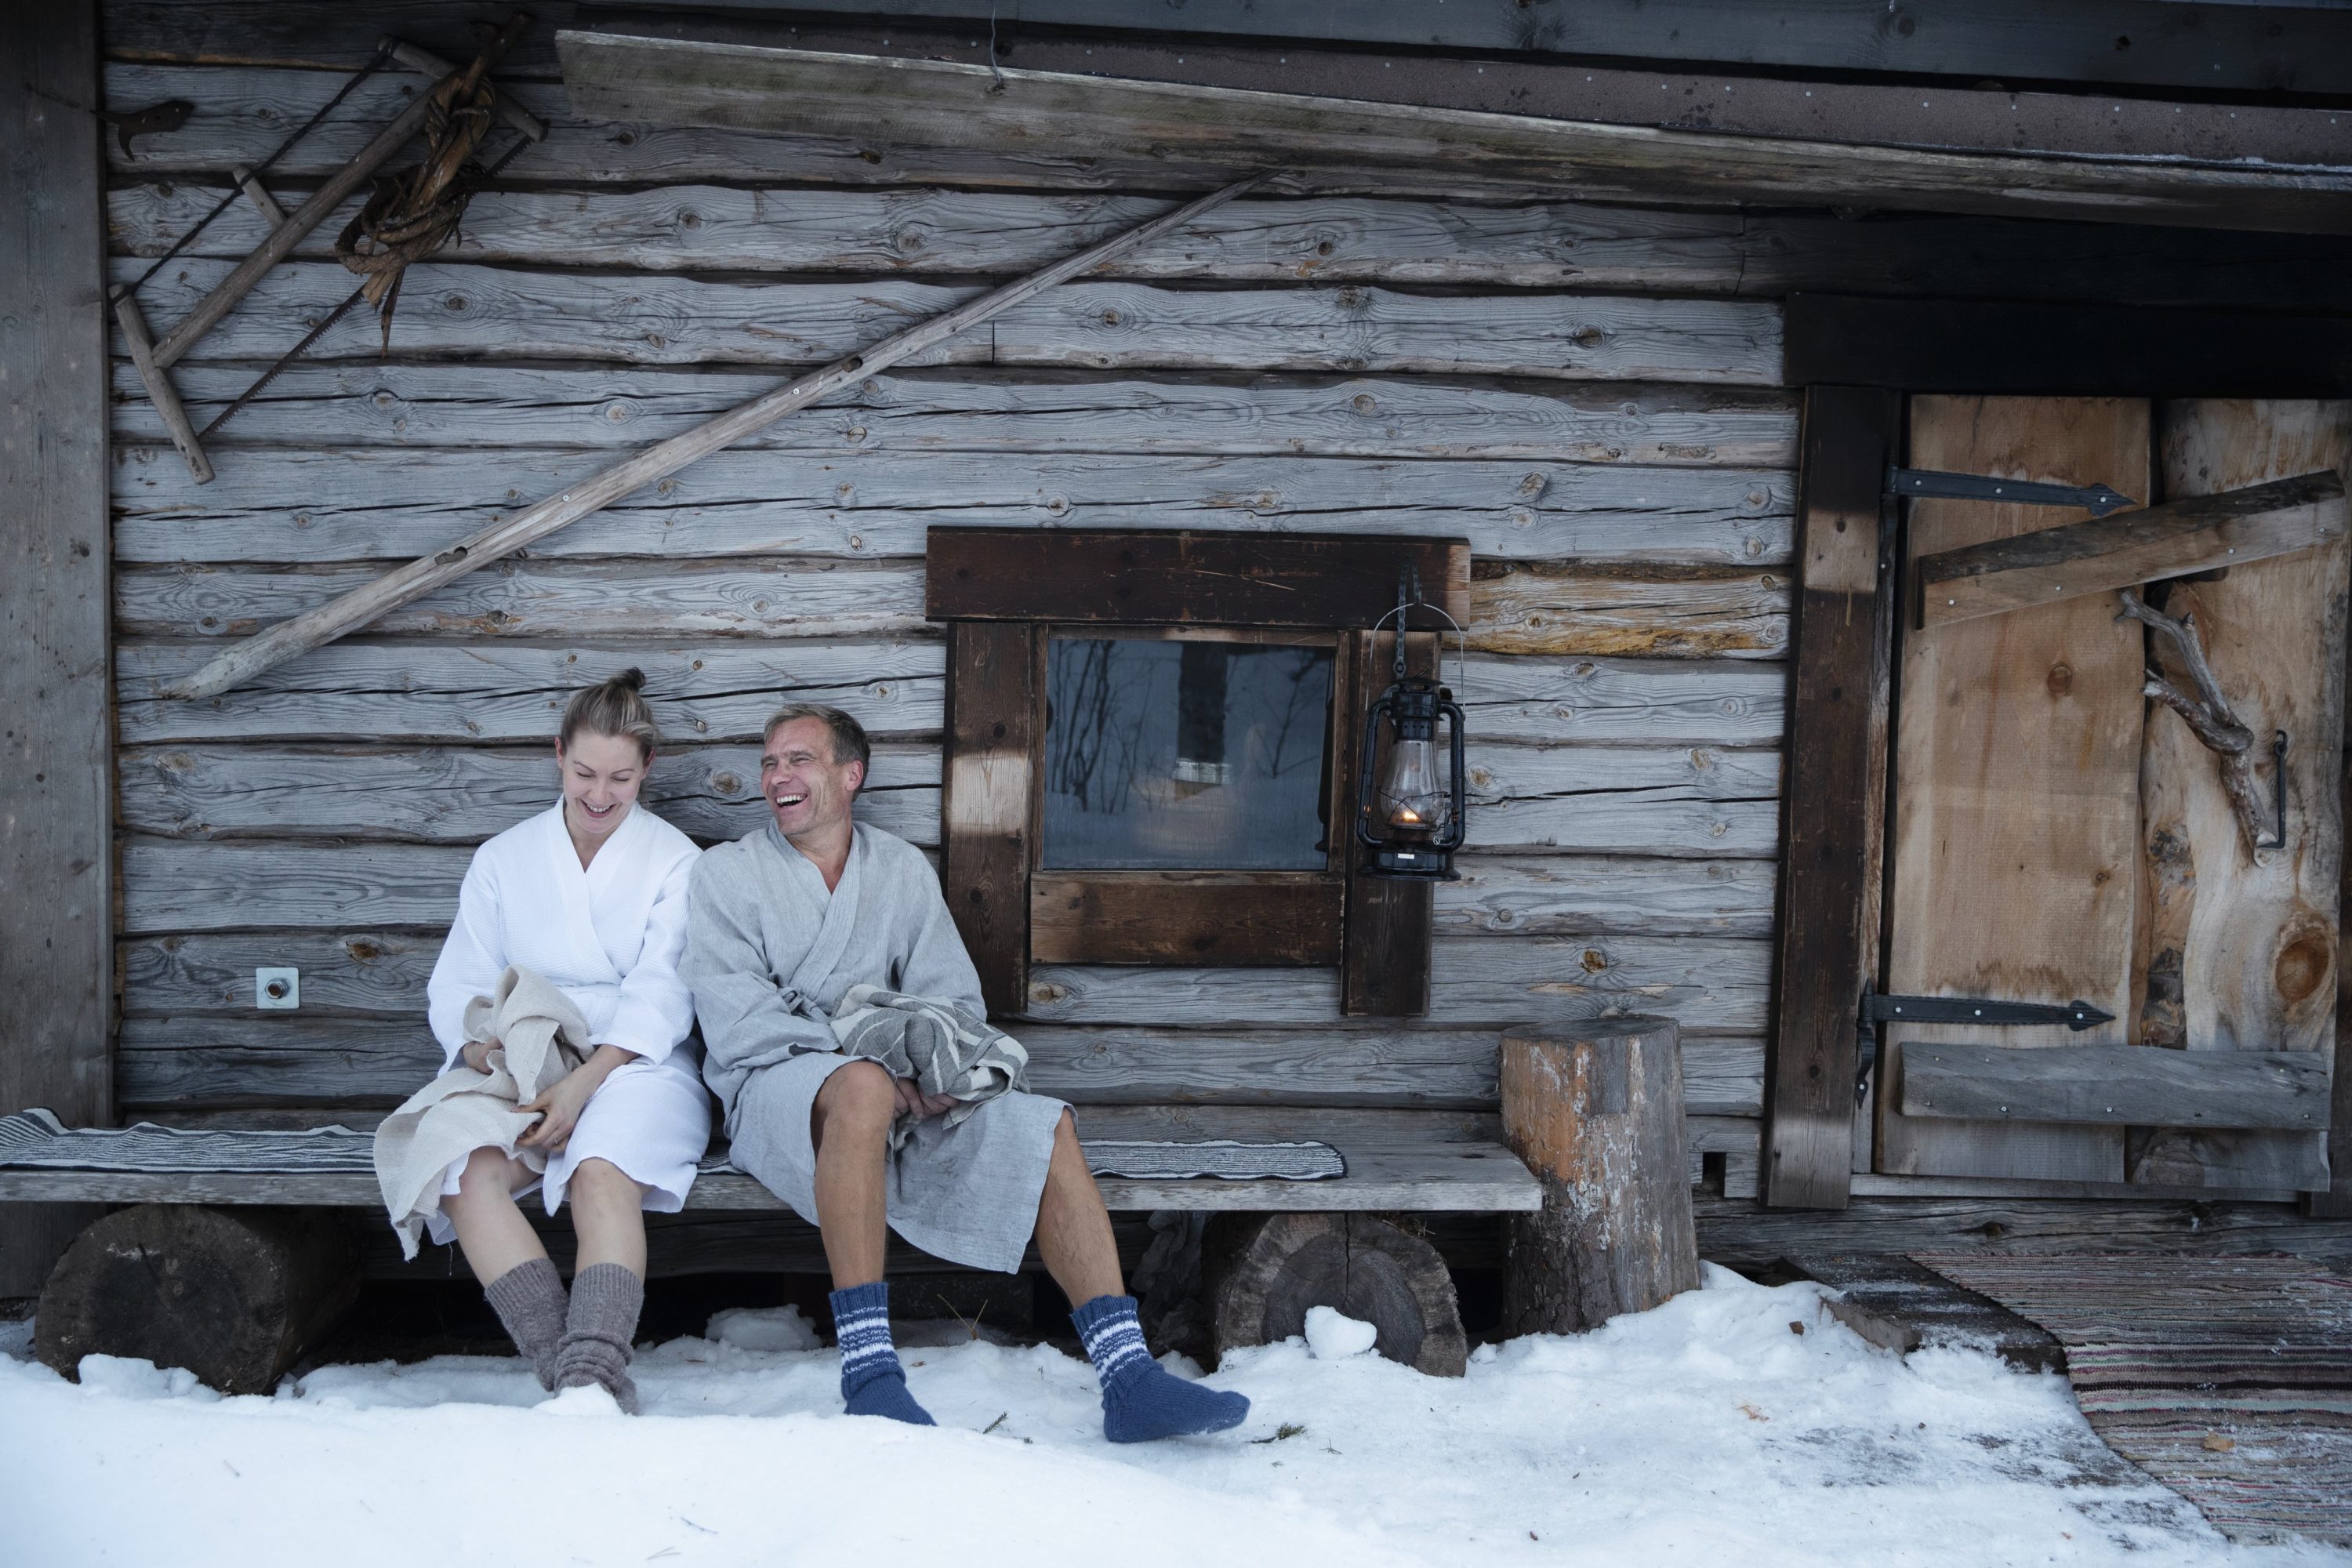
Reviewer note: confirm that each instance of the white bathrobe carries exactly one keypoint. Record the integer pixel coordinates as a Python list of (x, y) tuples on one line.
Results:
[(609, 936)]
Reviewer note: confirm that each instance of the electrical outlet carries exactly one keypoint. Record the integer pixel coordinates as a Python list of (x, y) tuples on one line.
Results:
[(276, 989)]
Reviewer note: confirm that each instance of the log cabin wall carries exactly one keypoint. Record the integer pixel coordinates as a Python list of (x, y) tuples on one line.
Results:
[(1587, 392)]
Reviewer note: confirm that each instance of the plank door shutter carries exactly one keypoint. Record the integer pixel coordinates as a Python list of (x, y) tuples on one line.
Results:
[(2057, 837), (2015, 838)]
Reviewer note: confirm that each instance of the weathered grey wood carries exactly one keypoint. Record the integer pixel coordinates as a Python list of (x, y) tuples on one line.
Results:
[(428, 64), (1560, 895), (233, 285), (495, 312), (1261, 1274), (1879, 1186), (578, 500), (1736, 1141), (209, 887), (1527, 696), (722, 691), (234, 1296), (56, 839), (365, 504), (1597, 1113), (1705, 983), (947, 103), (1516, 607), (2195, 533), (449, 795), (758, 597), (1899, 1306), (1411, 1178), (1741, 1234), (910, 232), (456, 403), (2274, 47), (469, 690), (1568, 608), (2118, 1086), (157, 384), (1532, 797)]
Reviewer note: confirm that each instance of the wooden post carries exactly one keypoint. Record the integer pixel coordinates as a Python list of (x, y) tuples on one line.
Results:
[(232, 1294), (1260, 1273), (1596, 1110), (57, 774), (990, 803), (1835, 818)]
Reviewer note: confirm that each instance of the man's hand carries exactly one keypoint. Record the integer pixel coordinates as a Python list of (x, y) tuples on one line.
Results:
[(477, 1054), (914, 1102)]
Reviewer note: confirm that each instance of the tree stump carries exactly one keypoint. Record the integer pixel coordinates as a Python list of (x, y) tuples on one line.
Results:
[(234, 1295), (1596, 1111), (1261, 1272)]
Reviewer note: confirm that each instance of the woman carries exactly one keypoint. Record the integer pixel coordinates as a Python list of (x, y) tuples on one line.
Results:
[(590, 895)]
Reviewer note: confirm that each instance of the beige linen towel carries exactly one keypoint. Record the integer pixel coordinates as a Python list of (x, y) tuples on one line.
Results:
[(541, 1036)]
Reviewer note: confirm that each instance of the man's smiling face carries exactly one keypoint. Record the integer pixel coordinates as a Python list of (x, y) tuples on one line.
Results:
[(807, 791)]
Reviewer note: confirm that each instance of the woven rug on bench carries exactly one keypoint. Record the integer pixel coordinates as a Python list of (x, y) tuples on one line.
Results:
[(36, 1140)]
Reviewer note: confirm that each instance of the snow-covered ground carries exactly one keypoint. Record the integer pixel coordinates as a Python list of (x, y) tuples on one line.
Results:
[(1708, 1431)]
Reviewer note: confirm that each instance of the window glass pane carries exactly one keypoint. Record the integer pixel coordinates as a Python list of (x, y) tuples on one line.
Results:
[(1182, 755)]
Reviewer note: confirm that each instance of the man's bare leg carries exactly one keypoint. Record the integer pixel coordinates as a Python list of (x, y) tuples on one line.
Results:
[(1073, 1227), (1141, 1399), (850, 1126)]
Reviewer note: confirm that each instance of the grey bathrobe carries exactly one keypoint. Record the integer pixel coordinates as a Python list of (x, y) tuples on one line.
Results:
[(770, 954)]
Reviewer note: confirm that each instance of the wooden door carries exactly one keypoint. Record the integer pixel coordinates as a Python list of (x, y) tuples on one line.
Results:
[(2055, 835), (2015, 844)]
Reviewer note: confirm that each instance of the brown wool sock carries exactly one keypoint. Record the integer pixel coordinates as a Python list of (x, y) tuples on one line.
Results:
[(529, 1300), (599, 1331)]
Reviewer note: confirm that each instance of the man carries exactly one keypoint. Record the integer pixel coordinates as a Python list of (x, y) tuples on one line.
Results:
[(783, 923)]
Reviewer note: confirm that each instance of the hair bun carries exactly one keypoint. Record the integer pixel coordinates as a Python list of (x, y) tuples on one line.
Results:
[(630, 679)]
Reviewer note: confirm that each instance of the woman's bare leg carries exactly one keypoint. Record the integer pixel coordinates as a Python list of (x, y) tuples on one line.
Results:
[(608, 1214), (491, 1230)]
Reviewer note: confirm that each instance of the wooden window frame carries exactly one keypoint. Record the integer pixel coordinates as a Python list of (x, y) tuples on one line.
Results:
[(1004, 594), (1855, 360)]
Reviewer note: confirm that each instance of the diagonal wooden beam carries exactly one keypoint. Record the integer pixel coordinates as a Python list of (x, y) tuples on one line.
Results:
[(395, 588), (2125, 549)]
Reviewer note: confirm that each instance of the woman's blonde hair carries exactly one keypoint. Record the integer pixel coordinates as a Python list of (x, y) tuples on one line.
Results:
[(615, 706)]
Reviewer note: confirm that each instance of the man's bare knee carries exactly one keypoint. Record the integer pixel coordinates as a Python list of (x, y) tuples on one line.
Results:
[(858, 1096)]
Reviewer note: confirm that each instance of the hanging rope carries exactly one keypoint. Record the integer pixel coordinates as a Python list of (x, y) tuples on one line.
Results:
[(414, 213)]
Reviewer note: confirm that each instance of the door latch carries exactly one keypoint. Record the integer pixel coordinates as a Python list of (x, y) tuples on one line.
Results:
[(2096, 500), (1982, 1011)]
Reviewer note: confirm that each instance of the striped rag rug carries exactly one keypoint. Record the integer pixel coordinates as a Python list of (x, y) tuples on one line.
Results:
[(2227, 1379), (35, 1140)]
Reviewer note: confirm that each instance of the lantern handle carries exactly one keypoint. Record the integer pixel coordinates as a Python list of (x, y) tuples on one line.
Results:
[(1407, 597)]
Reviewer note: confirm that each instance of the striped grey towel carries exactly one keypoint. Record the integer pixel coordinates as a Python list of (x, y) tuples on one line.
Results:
[(945, 1046)]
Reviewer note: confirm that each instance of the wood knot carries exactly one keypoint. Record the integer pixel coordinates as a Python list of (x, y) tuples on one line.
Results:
[(2061, 679), (2303, 964)]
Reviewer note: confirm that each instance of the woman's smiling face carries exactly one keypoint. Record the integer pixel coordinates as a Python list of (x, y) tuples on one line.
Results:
[(601, 775)]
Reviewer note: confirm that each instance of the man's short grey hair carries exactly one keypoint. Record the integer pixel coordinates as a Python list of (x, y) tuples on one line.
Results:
[(849, 742)]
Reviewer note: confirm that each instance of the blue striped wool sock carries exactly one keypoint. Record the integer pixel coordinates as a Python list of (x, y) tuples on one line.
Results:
[(872, 1381), (1141, 1399)]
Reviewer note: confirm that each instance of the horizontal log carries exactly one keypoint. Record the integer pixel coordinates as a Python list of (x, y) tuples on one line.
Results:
[(1744, 1233), (2101, 555), (523, 597), (451, 796), (2118, 1086), (358, 690), (1563, 895), (454, 404), (199, 1060), (954, 103), (1534, 797), (1550, 607), (723, 690), (1568, 607), (377, 504), (357, 504), (913, 232), (1706, 983), (495, 312)]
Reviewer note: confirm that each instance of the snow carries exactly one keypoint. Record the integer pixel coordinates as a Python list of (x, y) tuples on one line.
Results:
[(1332, 1335), (1707, 1430)]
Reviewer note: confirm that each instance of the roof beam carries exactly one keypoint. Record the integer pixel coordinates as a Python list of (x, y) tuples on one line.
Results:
[(1188, 127), (2209, 49)]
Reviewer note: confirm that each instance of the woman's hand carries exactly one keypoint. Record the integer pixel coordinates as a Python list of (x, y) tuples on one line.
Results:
[(914, 1102), (477, 1054), (559, 1109)]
